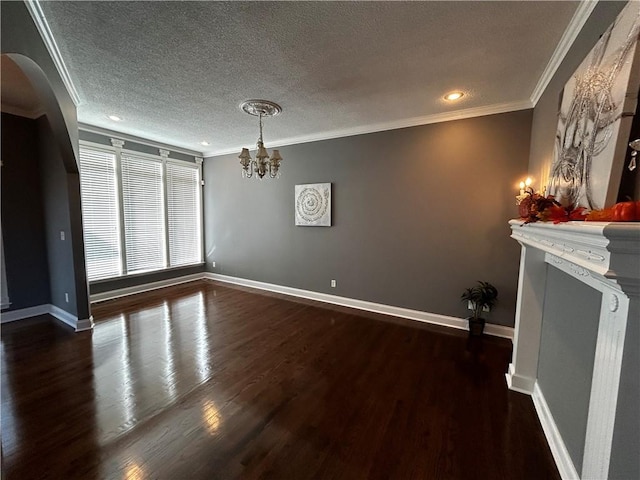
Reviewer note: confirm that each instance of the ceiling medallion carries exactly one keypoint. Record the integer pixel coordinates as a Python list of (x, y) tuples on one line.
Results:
[(262, 164)]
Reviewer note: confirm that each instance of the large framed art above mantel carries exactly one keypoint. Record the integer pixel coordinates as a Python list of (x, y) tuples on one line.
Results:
[(596, 112)]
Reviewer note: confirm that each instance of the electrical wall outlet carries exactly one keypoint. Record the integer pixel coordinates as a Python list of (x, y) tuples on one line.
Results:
[(61, 234), (333, 284), (66, 297), (213, 264)]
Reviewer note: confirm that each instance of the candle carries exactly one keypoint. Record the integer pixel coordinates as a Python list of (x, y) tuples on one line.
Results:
[(521, 188)]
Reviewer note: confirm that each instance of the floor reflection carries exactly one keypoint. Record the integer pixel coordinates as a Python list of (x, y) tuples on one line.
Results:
[(146, 359), (10, 427), (112, 379), (202, 341), (133, 471), (211, 417), (169, 373)]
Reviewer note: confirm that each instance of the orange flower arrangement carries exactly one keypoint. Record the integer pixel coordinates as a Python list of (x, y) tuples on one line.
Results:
[(536, 207)]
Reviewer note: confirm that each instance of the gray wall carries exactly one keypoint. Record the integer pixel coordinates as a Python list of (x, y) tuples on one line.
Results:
[(418, 215), (567, 352), (55, 193), (134, 280), (22, 215)]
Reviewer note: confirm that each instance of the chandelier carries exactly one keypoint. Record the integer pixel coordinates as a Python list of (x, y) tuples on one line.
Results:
[(262, 164)]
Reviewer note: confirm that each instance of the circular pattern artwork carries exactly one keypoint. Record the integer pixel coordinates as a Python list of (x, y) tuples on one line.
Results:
[(313, 204)]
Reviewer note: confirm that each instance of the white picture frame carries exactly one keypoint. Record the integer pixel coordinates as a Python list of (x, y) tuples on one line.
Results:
[(313, 205)]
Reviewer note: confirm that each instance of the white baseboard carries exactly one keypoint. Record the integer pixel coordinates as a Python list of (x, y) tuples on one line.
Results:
[(71, 320), (14, 315), (518, 383), (63, 316), (554, 439), (60, 314), (417, 315), (123, 292), (85, 324)]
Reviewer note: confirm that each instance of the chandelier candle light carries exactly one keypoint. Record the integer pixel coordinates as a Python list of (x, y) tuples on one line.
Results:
[(262, 163)]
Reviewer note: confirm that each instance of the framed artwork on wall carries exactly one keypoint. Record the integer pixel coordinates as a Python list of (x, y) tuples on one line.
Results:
[(313, 205), (598, 104)]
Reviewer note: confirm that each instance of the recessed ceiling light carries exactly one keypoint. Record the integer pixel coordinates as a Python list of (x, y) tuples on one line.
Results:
[(453, 96), (205, 143), (115, 118)]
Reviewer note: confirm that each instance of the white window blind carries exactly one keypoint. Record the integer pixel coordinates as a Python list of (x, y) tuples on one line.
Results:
[(183, 212), (143, 207), (98, 186)]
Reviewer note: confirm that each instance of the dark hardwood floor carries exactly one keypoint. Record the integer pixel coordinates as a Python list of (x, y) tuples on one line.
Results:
[(212, 382)]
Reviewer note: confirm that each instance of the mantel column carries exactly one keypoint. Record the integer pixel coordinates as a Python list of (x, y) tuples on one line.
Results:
[(523, 369)]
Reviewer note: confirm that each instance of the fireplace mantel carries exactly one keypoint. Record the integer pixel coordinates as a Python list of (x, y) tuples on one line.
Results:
[(610, 250), (605, 256)]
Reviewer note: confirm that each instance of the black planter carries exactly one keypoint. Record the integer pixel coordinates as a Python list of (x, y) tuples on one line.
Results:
[(476, 326)]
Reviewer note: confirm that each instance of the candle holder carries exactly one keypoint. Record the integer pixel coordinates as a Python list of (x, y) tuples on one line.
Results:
[(525, 190)]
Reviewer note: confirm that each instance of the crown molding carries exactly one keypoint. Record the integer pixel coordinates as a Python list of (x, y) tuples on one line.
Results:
[(569, 36), (132, 138), (21, 112), (394, 125), (45, 32)]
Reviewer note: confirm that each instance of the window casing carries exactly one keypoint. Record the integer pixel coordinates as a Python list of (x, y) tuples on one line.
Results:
[(141, 212)]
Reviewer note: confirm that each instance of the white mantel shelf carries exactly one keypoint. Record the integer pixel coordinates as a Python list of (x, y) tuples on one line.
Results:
[(605, 256), (610, 249)]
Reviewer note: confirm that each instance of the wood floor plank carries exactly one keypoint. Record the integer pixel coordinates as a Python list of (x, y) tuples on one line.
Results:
[(208, 381)]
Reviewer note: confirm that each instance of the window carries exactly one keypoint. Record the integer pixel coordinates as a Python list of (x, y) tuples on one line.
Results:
[(141, 212), (184, 215), (144, 222), (98, 187)]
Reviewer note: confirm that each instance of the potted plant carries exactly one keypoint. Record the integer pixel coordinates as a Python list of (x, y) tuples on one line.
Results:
[(482, 297)]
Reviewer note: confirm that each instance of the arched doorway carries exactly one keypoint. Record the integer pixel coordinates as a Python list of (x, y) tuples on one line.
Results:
[(41, 212)]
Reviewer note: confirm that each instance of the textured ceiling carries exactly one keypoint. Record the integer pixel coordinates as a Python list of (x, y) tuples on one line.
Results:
[(177, 71)]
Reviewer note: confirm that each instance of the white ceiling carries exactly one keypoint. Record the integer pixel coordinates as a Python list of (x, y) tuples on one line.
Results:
[(177, 71)]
